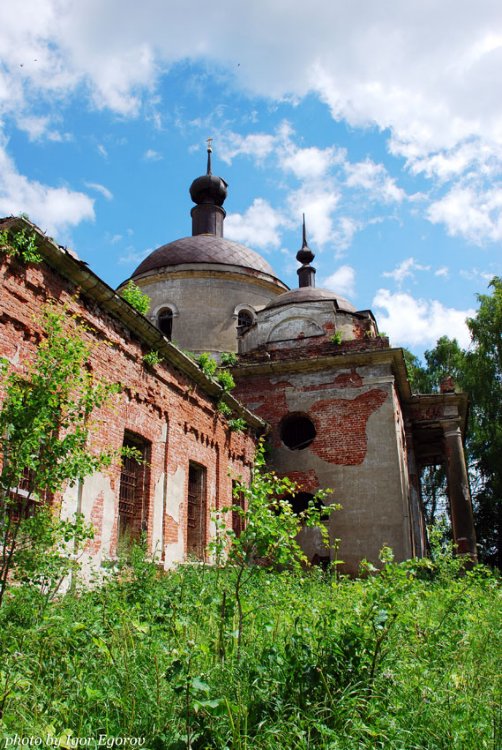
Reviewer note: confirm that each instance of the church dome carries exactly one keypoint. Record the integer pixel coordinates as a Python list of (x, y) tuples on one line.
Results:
[(203, 248), (310, 294)]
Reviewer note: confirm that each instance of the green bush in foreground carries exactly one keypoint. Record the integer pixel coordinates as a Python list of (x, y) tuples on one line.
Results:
[(404, 659)]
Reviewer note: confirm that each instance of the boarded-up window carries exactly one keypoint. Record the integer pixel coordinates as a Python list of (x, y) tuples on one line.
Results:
[(196, 511), (134, 489)]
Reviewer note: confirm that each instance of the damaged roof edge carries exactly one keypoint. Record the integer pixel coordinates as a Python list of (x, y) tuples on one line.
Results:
[(78, 273)]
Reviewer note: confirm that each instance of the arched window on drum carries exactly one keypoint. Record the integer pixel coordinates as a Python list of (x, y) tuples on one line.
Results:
[(245, 320), (165, 322)]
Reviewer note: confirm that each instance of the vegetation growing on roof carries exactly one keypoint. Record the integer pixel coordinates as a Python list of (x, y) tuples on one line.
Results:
[(136, 298), (21, 244)]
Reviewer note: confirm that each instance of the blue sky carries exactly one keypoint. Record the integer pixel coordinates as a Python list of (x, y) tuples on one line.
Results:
[(381, 121)]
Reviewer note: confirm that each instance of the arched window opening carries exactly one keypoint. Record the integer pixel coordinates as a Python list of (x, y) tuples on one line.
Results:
[(244, 321), (297, 431), (165, 322)]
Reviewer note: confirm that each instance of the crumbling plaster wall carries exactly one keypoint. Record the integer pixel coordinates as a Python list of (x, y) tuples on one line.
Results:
[(161, 404), (357, 451)]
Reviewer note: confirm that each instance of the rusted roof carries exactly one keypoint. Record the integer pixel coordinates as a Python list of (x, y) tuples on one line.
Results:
[(204, 248), (310, 294)]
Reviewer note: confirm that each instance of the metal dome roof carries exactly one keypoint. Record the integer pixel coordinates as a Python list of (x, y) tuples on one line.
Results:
[(204, 248), (310, 294)]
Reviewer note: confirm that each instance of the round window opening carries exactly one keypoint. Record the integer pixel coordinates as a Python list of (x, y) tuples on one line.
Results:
[(297, 432)]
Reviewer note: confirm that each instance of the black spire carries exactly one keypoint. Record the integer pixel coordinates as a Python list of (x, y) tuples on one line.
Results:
[(305, 256), (209, 193)]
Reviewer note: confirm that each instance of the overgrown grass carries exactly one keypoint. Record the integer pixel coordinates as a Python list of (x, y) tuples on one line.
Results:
[(405, 659)]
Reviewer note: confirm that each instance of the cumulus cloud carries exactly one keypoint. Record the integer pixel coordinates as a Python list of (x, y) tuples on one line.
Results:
[(256, 145), (318, 203), (405, 269), (152, 155), (426, 73), (419, 322), (342, 280), (470, 213), (53, 208), (258, 226), (375, 179)]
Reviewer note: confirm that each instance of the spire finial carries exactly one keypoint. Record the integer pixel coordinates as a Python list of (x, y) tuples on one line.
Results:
[(304, 233), (305, 256), (209, 142)]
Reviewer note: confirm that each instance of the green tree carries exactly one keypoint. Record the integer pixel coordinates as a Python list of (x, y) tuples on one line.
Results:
[(45, 423), (483, 382), (269, 528), (478, 371)]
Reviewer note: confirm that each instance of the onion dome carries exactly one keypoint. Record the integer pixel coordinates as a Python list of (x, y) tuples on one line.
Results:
[(208, 189)]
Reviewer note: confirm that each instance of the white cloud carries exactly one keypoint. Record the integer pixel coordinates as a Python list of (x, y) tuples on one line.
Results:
[(470, 213), (413, 322), (344, 233), (318, 204), (307, 163), (342, 281), (426, 73), (406, 269), (443, 272), (100, 189), (258, 226), (54, 209), (256, 145), (374, 179), (152, 155)]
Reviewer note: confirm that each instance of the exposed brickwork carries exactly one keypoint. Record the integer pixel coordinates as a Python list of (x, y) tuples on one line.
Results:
[(154, 402), (341, 427), (307, 481)]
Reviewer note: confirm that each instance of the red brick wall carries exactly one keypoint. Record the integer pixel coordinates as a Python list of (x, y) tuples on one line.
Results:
[(150, 398)]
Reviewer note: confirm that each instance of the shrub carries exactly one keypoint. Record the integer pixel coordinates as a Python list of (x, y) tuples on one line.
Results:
[(136, 298), (22, 244)]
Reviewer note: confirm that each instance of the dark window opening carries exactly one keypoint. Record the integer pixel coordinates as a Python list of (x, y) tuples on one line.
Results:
[(297, 432), (134, 490), (165, 322), (299, 502), (23, 501), (244, 321), (196, 511), (238, 501)]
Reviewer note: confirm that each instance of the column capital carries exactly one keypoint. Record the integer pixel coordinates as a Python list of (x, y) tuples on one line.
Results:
[(451, 427)]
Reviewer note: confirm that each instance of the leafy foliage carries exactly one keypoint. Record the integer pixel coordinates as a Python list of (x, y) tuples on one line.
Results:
[(152, 358), (228, 359), (22, 244), (207, 364), (237, 424), (45, 422), (405, 658), (225, 379), (478, 371), (136, 298)]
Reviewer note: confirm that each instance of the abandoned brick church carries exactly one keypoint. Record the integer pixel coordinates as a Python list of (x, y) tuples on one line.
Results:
[(313, 374)]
